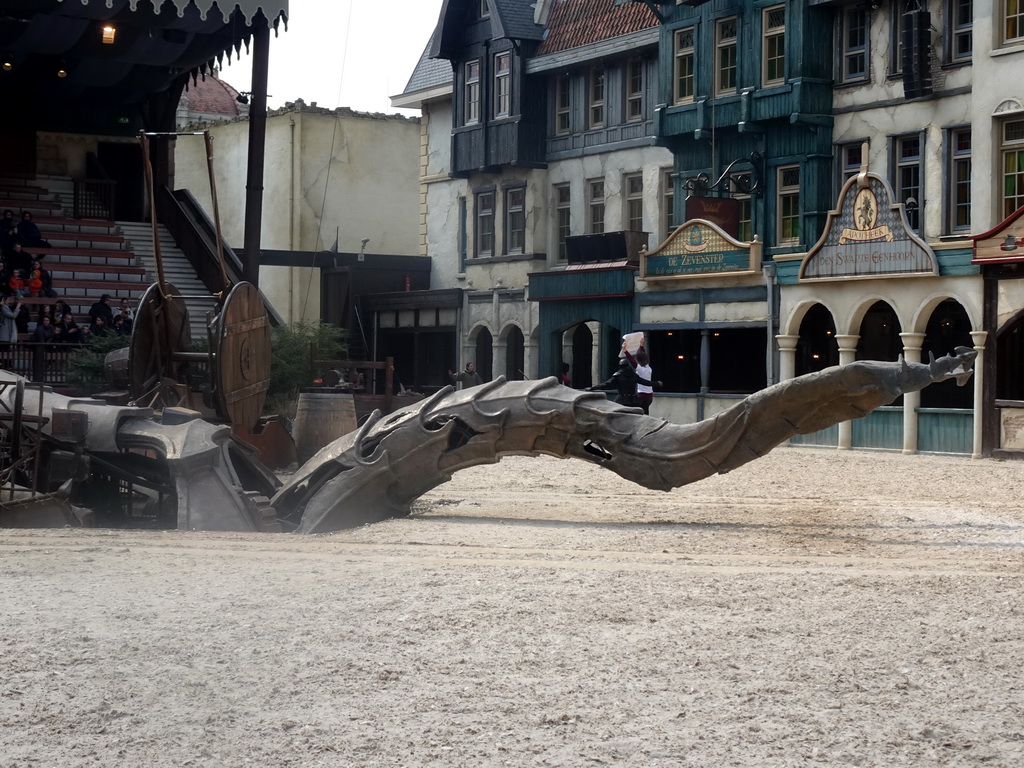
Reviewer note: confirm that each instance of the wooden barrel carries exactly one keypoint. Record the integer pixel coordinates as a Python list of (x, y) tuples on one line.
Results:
[(321, 418), (115, 365)]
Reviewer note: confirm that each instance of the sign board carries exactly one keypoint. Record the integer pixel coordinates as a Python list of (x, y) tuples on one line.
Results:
[(868, 236), (700, 248), (1002, 244), (723, 211)]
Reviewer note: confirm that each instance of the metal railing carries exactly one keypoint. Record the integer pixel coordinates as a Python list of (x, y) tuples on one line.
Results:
[(39, 362), (94, 199)]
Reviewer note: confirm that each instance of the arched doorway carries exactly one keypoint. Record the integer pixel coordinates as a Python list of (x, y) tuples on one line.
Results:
[(515, 355), (880, 334), (582, 357), (817, 348), (484, 354), (948, 327)]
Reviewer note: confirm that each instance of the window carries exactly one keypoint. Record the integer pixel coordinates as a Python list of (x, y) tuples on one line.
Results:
[(684, 74), (725, 56), (960, 43), (635, 89), (472, 92), (563, 218), (562, 104), (596, 99), (854, 52), (502, 84), (484, 223), (483, 9), (849, 158), (668, 202), (515, 220), (907, 177), (595, 201), (1013, 166), (788, 204), (897, 8), (958, 141), (1013, 21), (463, 233), (774, 35), (634, 184), (745, 223)]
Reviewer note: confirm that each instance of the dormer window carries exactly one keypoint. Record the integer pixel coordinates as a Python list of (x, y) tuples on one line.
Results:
[(483, 10), (471, 112)]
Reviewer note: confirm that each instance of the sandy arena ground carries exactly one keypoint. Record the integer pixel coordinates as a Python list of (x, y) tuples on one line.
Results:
[(813, 608)]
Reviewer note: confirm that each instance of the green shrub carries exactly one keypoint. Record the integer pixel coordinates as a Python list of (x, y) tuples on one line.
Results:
[(292, 351), (86, 364)]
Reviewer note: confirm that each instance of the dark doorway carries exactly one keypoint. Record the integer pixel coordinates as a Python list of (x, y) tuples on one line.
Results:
[(949, 327), (515, 355), (484, 355), (880, 334), (122, 164), (582, 357), (817, 348)]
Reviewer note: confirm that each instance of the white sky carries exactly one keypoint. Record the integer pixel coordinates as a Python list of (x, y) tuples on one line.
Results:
[(343, 53)]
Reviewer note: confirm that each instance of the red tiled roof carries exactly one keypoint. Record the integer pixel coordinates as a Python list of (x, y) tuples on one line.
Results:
[(211, 95), (573, 23)]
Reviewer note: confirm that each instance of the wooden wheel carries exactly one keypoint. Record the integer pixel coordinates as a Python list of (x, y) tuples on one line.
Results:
[(242, 361), (160, 331)]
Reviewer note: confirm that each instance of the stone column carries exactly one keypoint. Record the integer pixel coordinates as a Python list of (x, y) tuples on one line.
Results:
[(912, 345), (787, 356), (847, 354), (979, 338)]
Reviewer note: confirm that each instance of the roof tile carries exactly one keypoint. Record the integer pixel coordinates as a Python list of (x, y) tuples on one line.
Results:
[(573, 23)]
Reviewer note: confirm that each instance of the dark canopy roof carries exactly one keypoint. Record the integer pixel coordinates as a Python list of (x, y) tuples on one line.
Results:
[(55, 61)]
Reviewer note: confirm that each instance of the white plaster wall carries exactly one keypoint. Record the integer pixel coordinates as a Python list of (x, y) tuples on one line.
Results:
[(63, 154), (612, 167), (895, 116), (442, 217), (326, 174), (998, 87)]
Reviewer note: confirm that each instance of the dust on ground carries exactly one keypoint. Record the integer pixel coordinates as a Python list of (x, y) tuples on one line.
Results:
[(812, 608)]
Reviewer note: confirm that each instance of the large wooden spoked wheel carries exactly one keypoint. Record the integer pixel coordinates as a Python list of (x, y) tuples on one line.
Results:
[(160, 331), (242, 361)]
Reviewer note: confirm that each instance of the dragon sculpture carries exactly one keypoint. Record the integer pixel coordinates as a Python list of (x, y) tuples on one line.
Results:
[(213, 482)]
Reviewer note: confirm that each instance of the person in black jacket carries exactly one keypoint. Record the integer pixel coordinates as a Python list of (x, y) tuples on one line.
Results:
[(622, 381)]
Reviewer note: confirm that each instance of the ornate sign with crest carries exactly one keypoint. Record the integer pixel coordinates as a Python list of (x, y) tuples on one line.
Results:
[(868, 236), (699, 248)]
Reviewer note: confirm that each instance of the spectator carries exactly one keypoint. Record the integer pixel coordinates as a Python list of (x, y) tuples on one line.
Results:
[(122, 327), (19, 258), (40, 281), (45, 330), (5, 275), (46, 310), (16, 283), (8, 232), (125, 311), (68, 331), (467, 378), (9, 319), (102, 309), (99, 327), (28, 232)]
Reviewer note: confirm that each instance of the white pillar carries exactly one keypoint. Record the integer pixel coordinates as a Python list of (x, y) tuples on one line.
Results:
[(787, 355), (912, 346), (979, 338), (847, 354)]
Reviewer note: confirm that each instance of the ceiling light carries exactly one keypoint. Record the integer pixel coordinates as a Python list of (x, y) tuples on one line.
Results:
[(8, 65), (62, 73), (109, 33)]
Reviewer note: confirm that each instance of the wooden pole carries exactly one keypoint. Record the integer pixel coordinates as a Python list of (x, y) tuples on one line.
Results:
[(257, 146)]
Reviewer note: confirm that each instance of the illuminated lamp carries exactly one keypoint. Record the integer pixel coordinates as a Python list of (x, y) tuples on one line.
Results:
[(108, 34)]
